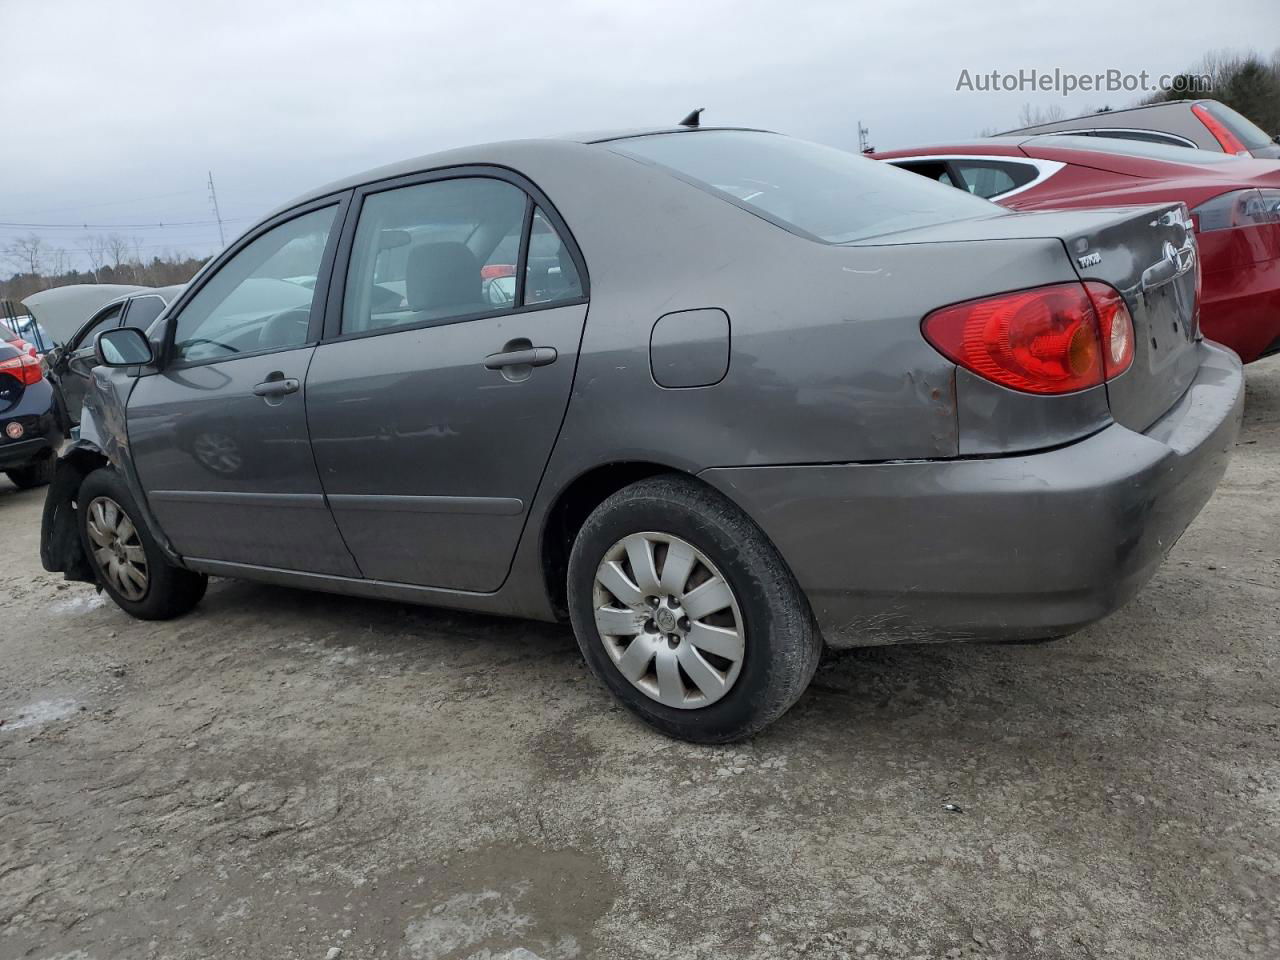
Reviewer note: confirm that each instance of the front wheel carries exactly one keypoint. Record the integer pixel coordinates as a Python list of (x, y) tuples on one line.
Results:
[(128, 563), (685, 610)]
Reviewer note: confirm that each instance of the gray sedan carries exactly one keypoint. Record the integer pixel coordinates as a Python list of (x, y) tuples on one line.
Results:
[(715, 396)]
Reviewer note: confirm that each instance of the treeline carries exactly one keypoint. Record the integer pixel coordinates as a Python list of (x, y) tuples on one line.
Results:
[(1244, 82), (111, 259)]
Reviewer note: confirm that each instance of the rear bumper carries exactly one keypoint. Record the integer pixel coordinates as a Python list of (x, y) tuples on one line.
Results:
[(24, 452), (1001, 548)]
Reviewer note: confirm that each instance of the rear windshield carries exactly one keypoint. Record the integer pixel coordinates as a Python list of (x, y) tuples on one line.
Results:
[(1245, 130), (1134, 148), (820, 192)]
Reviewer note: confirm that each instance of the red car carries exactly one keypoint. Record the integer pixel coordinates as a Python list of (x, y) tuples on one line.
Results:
[(1234, 203)]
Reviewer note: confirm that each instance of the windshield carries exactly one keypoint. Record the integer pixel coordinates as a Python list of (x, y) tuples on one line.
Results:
[(821, 192)]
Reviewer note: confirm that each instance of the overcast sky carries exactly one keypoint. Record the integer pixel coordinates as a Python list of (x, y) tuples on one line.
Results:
[(114, 112)]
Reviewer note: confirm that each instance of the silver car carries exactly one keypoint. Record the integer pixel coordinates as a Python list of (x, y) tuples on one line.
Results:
[(715, 396)]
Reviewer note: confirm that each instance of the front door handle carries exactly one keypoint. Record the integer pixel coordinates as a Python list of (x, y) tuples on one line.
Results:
[(529, 357), (276, 385)]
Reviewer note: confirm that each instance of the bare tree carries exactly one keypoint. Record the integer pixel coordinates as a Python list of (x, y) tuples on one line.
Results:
[(117, 250), (1030, 116), (26, 253), (59, 262), (94, 247)]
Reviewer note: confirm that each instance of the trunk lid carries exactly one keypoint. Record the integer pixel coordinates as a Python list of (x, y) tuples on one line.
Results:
[(1149, 254)]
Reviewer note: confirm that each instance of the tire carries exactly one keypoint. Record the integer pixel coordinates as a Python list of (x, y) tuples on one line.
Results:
[(38, 474), (778, 644), (165, 591)]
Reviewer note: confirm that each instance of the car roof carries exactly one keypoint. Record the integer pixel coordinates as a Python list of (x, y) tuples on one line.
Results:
[(499, 152), (1141, 108)]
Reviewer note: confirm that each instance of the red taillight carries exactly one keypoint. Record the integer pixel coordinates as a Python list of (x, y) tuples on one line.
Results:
[(22, 346), (1229, 142), (1115, 328), (1056, 339), (25, 369), (494, 270)]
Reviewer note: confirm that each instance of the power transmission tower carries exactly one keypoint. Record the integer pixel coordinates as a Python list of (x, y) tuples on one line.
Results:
[(213, 198), (864, 139)]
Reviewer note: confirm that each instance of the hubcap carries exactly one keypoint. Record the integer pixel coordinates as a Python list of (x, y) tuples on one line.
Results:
[(668, 620), (117, 551)]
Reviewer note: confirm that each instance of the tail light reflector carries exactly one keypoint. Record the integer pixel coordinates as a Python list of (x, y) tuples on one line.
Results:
[(25, 369), (1229, 142), (1049, 340)]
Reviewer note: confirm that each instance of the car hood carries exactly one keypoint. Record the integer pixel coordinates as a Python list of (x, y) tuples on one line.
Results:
[(61, 310)]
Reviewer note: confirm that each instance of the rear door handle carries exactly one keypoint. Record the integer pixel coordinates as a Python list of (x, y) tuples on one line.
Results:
[(276, 386), (530, 357)]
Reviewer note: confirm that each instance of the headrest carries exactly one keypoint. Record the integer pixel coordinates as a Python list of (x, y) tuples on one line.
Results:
[(443, 274)]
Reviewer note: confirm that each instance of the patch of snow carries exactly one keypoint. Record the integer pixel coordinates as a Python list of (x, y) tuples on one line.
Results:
[(462, 921), (38, 714), (81, 604)]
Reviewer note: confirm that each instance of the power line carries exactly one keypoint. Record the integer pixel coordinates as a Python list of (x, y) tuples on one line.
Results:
[(107, 203), (121, 226)]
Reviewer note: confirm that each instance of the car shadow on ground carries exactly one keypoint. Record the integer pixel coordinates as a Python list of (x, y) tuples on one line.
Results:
[(940, 690)]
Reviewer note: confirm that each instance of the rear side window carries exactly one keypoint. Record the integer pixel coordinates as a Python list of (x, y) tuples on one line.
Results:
[(550, 275), (933, 169), (434, 252), (991, 178), (143, 312), (820, 192), (1146, 136)]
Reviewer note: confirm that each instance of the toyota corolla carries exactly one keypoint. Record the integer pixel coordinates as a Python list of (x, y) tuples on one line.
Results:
[(714, 396)]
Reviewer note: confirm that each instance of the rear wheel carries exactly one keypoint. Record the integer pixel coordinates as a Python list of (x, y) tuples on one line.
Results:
[(685, 610), (37, 474), (128, 563)]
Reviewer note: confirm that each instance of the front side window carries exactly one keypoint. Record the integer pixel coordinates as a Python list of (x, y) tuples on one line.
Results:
[(260, 299), (434, 252), (819, 191), (143, 312), (108, 318)]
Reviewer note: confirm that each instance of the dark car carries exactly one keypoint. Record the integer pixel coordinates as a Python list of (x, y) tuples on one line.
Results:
[(1234, 202), (30, 422), (69, 363), (746, 394), (1198, 124)]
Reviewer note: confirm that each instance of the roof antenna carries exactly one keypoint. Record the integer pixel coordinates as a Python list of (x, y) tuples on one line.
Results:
[(692, 119)]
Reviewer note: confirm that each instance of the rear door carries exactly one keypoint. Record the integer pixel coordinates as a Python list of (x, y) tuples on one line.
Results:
[(434, 407), (219, 435)]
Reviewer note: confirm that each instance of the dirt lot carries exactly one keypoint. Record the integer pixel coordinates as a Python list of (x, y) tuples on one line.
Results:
[(284, 774)]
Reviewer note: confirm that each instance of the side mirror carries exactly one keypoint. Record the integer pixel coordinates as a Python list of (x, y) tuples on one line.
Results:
[(122, 347)]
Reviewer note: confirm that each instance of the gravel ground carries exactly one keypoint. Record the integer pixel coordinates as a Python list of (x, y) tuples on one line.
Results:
[(283, 774)]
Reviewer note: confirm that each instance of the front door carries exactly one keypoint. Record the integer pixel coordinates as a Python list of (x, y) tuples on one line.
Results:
[(434, 411), (219, 435)]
